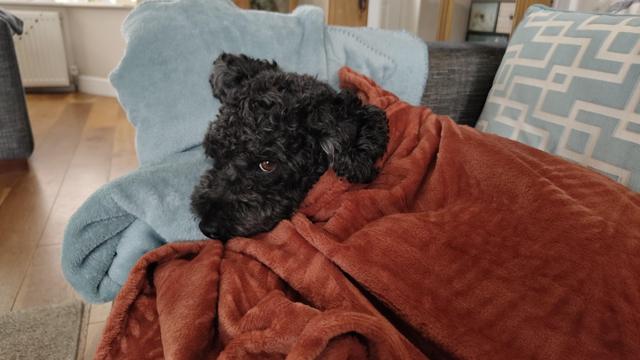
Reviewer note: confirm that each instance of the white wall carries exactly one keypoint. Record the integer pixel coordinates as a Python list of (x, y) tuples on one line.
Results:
[(429, 19), (419, 17), (460, 20), (583, 5), (93, 42), (97, 42), (394, 14)]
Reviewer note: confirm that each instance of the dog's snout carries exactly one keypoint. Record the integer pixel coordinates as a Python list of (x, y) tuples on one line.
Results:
[(206, 230), (212, 232)]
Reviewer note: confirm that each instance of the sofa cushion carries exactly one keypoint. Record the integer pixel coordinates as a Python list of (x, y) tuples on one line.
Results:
[(569, 84)]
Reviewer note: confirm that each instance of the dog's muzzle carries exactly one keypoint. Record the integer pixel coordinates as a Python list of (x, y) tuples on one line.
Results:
[(211, 233)]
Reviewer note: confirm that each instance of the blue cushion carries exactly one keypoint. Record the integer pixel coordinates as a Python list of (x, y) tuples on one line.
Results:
[(569, 84), (162, 81)]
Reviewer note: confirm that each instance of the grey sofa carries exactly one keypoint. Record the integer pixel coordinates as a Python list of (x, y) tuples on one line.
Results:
[(16, 140), (460, 77)]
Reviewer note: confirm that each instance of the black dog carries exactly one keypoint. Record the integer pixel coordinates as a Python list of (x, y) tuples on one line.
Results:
[(275, 135)]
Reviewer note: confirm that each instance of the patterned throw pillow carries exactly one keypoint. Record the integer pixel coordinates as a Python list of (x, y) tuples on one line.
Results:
[(569, 84)]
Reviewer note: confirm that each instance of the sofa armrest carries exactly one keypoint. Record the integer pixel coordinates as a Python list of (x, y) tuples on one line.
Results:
[(16, 140), (460, 77)]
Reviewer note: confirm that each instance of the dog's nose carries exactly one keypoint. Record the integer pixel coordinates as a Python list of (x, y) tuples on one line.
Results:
[(206, 231), (211, 232)]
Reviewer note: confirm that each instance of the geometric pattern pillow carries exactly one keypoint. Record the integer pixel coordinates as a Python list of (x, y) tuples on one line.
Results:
[(569, 84)]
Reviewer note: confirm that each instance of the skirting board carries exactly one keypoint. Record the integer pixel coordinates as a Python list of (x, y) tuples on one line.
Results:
[(95, 86)]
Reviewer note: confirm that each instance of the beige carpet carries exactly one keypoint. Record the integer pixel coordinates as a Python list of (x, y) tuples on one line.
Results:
[(51, 332)]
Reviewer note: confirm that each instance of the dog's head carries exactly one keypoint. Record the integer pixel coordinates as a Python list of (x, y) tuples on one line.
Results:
[(275, 135)]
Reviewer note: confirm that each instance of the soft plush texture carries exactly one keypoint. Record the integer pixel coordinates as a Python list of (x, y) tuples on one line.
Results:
[(125, 219), (162, 80), (569, 84), (162, 83), (467, 246), (276, 134)]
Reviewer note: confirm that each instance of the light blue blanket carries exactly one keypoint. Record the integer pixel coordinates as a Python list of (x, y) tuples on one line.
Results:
[(162, 83)]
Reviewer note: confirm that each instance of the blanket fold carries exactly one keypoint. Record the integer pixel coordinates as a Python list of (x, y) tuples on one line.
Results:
[(466, 246), (162, 83)]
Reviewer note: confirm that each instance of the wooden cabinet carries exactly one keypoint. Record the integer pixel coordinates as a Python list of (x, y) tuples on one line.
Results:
[(348, 12), (245, 4)]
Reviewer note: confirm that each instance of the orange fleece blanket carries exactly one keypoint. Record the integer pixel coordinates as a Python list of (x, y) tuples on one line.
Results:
[(466, 246)]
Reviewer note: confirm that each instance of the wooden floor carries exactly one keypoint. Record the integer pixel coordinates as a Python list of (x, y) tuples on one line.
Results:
[(81, 142)]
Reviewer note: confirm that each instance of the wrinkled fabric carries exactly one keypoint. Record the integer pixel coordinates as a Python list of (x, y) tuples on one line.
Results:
[(162, 83), (466, 246)]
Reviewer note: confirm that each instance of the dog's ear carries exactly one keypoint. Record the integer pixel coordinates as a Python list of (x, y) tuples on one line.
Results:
[(230, 71), (355, 136)]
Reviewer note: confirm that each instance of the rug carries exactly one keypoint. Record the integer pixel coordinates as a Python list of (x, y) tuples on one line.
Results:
[(51, 332)]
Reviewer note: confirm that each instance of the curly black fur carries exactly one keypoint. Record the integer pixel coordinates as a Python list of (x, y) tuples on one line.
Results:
[(300, 125)]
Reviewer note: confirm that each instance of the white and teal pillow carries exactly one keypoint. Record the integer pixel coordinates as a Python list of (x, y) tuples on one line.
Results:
[(569, 84)]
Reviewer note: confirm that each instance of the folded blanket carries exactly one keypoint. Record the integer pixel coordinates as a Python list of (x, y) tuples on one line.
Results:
[(162, 83), (466, 246)]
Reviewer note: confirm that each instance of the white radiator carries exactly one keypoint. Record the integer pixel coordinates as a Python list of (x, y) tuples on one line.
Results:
[(40, 50)]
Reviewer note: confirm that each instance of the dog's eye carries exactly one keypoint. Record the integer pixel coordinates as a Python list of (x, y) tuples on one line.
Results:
[(267, 166)]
